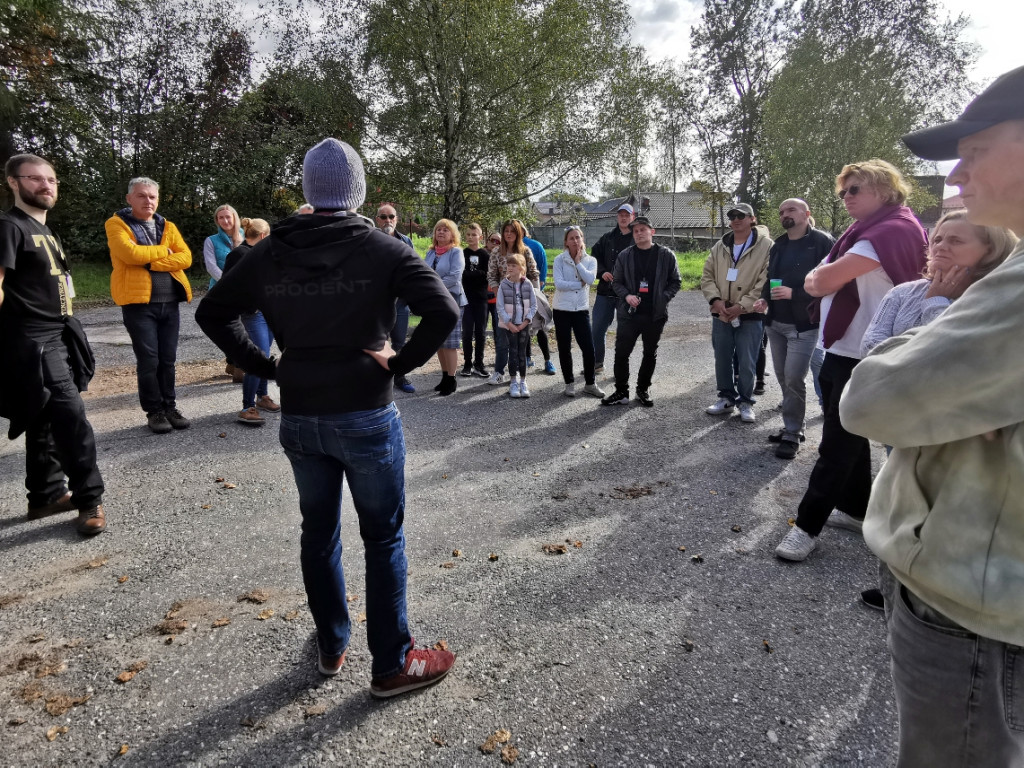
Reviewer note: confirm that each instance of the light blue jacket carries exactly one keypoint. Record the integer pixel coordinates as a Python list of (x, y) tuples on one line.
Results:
[(450, 266)]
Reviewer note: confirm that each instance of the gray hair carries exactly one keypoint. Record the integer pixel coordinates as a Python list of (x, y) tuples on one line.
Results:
[(142, 181)]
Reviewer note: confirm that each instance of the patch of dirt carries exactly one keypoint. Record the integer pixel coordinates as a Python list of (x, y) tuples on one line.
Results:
[(120, 379)]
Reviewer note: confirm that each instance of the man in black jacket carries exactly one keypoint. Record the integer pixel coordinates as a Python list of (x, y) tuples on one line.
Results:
[(790, 331), (327, 285), (646, 279), (606, 251)]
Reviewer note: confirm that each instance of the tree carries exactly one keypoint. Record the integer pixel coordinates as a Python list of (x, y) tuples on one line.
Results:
[(491, 101)]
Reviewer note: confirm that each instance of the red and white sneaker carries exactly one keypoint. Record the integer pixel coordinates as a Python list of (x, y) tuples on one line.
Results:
[(423, 667)]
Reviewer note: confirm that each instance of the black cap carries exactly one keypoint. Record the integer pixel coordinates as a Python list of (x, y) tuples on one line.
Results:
[(640, 220), (1001, 101)]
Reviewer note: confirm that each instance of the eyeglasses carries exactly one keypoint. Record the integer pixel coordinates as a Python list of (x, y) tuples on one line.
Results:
[(495, 240), (852, 191), (386, 216), (736, 215), (41, 179)]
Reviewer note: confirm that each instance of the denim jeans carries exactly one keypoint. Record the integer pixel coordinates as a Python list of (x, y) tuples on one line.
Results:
[(254, 386), (517, 345), (500, 346), (817, 358), (153, 329), (366, 449), (401, 329), (960, 696), (567, 325), (743, 342), (600, 322), (791, 357)]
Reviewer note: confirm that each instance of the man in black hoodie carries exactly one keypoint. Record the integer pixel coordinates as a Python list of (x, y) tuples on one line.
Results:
[(327, 285)]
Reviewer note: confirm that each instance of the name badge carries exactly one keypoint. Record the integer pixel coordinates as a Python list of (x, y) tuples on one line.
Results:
[(643, 287), (70, 285), (732, 275)]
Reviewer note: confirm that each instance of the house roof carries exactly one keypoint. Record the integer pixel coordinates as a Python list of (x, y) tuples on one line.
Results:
[(689, 212)]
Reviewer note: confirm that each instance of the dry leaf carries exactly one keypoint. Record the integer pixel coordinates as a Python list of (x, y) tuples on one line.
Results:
[(490, 743), (438, 741), (27, 661), (536, 474), (171, 627), (577, 544), (123, 750), (492, 557), (55, 667), (456, 553), (736, 529), (230, 486), (361, 617), (441, 645), (682, 549), (219, 480), (206, 506), (449, 564), (223, 434), (169, 640), (555, 549), (98, 562), (220, 623), (122, 579), (51, 735), (352, 598), (791, 521), (767, 647), (697, 559), (315, 711), (713, 493), (257, 596), (138, 666), (124, 677), (172, 612), (509, 755), (444, 477), (265, 614), (252, 722), (60, 703), (630, 492), (291, 616), (36, 638), (30, 692), (73, 643), (503, 735), (17, 721)]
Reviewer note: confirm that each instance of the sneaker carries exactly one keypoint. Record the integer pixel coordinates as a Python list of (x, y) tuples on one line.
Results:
[(176, 419), (777, 437), (250, 416), (549, 368), (644, 399), (63, 504), (158, 423), (466, 371), (329, 665), (480, 371), (787, 449), (91, 521), (722, 406), (599, 368), (524, 391), (266, 403), (497, 379), (403, 383), (842, 520), (422, 668), (529, 362), (747, 413), (796, 545), (570, 389), (513, 388), (873, 599), (759, 388), (593, 390), (616, 397)]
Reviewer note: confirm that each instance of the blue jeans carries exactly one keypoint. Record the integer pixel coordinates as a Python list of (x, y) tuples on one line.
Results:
[(254, 386), (401, 329), (367, 450), (744, 342), (153, 329), (600, 321), (500, 346)]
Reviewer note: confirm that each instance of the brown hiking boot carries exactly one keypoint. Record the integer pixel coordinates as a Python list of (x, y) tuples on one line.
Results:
[(266, 403), (250, 416), (422, 668), (63, 504), (91, 521)]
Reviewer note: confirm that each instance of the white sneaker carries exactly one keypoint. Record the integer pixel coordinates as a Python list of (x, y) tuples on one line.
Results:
[(570, 389), (796, 545), (722, 406), (842, 520), (593, 390), (497, 378), (513, 389), (747, 413), (524, 391)]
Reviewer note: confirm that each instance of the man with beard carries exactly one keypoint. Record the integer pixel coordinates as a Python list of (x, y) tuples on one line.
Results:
[(46, 357), (387, 218), (791, 332)]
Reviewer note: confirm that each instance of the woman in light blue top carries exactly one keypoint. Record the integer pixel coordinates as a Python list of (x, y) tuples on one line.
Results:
[(215, 250), (446, 258), (574, 273)]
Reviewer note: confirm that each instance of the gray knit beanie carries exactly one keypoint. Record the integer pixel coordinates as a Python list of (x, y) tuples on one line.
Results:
[(332, 176)]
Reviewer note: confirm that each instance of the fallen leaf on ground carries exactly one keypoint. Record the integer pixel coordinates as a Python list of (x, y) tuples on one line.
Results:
[(438, 740), (713, 493), (456, 553), (490, 743), (54, 667), (17, 721), (252, 722), (449, 564), (555, 549), (221, 622), (125, 677), (36, 638), (230, 486), (265, 614), (169, 640), (122, 579), (682, 549), (444, 477), (172, 612), (123, 750), (206, 506), (171, 627), (441, 645), (254, 596), (536, 474), (60, 703), (315, 711), (697, 559), (74, 643), (736, 529), (791, 521), (503, 735), (132, 671), (361, 617), (492, 557), (219, 480), (767, 647), (291, 616), (223, 434), (630, 491), (352, 598), (577, 544), (509, 755), (30, 692), (27, 661), (55, 731)]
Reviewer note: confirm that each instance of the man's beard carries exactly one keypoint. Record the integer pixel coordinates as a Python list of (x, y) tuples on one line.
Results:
[(42, 204), (788, 223), (388, 229)]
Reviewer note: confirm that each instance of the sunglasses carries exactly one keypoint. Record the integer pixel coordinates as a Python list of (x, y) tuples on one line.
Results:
[(736, 215), (386, 216), (572, 227), (851, 191)]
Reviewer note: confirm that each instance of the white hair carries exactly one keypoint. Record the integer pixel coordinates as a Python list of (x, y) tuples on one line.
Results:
[(142, 181)]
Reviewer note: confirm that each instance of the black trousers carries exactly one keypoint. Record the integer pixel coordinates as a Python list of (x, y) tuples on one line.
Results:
[(841, 478), (567, 325), (629, 329), (153, 329), (60, 440), (474, 323)]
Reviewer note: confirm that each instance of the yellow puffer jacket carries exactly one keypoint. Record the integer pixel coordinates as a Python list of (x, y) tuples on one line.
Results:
[(130, 282)]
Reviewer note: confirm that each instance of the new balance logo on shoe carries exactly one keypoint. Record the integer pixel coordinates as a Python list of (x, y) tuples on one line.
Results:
[(417, 667)]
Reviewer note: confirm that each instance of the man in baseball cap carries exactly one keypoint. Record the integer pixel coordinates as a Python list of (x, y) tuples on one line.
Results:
[(945, 515)]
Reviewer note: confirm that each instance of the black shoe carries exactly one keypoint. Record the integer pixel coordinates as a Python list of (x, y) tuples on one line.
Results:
[(777, 437), (787, 449), (616, 397), (448, 385), (644, 398), (177, 420), (479, 370), (873, 599), (759, 388), (158, 423), (441, 384), (466, 371)]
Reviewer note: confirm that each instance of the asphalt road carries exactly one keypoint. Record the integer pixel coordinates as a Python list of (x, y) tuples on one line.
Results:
[(626, 650)]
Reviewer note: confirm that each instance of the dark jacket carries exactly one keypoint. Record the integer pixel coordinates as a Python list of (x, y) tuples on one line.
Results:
[(666, 281), (327, 287), (813, 247), (474, 277), (606, 251)]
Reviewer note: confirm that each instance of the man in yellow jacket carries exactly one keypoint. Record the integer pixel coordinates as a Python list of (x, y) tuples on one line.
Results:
[(149, 257)]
